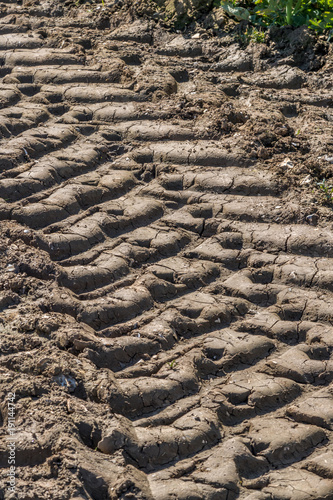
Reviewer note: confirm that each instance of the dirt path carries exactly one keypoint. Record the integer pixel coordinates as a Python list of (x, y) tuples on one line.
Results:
[(166, 268)]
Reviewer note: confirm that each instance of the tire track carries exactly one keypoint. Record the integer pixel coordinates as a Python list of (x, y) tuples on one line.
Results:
[(166, 305)]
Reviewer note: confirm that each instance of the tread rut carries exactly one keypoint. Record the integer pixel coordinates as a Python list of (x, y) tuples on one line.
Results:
[(166, 298)]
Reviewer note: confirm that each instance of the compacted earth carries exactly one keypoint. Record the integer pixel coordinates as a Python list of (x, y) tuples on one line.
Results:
[(166, 286)]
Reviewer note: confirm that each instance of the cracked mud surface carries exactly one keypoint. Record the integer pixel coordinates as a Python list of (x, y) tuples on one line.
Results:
[(166, 271)]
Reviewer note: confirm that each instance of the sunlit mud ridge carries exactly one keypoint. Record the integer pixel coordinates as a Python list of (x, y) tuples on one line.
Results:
[(166, 261)]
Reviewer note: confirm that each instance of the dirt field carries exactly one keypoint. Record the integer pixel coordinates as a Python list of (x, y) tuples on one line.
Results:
[(166, 259)]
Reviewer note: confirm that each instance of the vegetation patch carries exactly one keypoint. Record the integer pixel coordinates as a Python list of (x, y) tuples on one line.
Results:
[(316, 14)]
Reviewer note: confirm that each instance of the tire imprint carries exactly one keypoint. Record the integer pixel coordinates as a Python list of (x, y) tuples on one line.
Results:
[(166, 305)]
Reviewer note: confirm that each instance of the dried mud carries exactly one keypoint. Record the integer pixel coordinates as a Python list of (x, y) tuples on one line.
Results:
[(166, 262)]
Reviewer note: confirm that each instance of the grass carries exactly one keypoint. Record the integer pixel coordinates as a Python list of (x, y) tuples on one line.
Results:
[(316, 14)]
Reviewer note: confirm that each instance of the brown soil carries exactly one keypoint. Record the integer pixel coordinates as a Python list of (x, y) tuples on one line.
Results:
[(166, 259)]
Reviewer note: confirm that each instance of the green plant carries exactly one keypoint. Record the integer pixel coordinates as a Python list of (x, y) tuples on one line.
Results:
[(316, 14), (326, 189), (289, 12), (172, 364), (255, 35), (251, 34)]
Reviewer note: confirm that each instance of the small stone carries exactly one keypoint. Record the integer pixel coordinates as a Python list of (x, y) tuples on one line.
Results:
[(306, 180), (287, 163), (312, 219)]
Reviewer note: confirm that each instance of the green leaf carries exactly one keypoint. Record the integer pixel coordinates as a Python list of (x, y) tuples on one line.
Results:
[(239, 13)]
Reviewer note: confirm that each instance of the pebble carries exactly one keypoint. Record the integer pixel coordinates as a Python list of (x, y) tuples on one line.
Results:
[(312, 219)]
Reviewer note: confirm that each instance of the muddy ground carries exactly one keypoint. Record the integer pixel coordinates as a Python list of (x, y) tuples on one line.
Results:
[(166, 258)]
